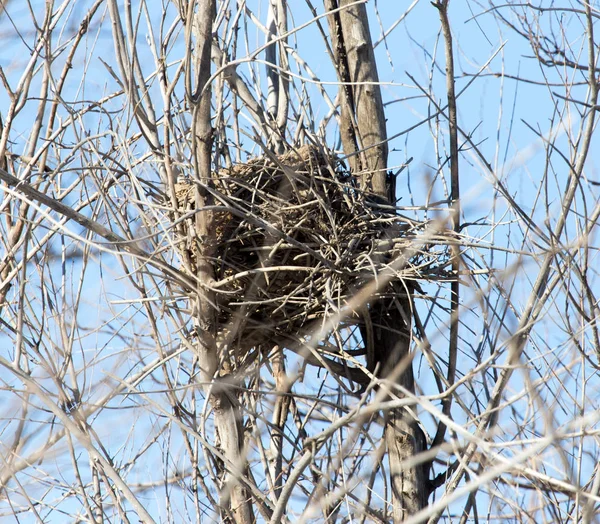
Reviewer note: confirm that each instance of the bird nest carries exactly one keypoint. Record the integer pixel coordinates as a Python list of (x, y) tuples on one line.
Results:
[(293, 239)]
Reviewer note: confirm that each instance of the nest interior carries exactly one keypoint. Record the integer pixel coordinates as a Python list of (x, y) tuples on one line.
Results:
[(295, 238)]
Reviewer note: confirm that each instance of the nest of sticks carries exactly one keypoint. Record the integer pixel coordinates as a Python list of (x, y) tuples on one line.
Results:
[(295, 238)]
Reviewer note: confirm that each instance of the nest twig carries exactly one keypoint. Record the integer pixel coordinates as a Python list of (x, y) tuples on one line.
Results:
[(295, 239)]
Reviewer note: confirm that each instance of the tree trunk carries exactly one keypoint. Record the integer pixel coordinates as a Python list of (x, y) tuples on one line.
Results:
[(362, 123), (234, 500), (364, 136), (404, 438)]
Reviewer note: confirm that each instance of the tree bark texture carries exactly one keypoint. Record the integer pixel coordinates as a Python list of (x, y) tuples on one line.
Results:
[(404, 438), (362, 126), (235, 503), (277, 81), (364, 138)]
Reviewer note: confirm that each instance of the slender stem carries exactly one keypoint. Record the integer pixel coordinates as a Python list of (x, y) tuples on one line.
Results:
[(442, 7)]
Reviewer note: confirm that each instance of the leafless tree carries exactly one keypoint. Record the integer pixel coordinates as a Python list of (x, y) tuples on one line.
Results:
[(297, 261)]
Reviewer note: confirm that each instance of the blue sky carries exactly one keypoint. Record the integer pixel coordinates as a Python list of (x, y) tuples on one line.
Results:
[(507, 120)]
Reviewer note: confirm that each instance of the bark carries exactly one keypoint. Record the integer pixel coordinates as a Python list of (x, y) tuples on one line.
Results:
[(364, 138), (280, 414), (404, 438), (234, 501), (277, 81), (363, 119)]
